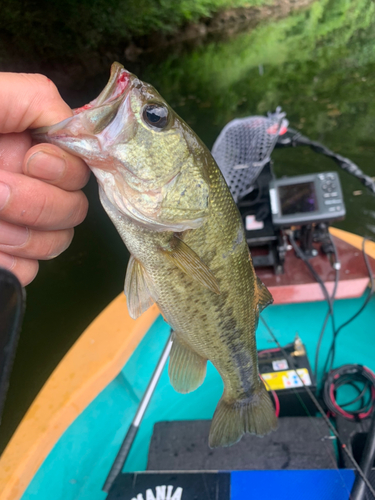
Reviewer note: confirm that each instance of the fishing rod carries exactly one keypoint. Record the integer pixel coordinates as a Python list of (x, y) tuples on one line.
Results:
[(346, 450), (128, 441), (359, 487), (293, 138)]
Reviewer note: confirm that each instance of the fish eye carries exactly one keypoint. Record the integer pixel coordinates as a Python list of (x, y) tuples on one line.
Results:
[(155, 115)]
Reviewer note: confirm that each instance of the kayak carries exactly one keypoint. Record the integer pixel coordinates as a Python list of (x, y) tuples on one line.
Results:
[(66, 443)]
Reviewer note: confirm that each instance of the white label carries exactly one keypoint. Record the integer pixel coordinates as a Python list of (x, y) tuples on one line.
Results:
[(252, 224), (280, 364), (294, 380), (162, 493)]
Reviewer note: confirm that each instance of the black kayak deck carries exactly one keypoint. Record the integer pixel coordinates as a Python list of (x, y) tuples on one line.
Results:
[(298, 443)]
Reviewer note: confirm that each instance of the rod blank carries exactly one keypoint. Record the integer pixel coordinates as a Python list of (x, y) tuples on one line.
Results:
[(124, 451)]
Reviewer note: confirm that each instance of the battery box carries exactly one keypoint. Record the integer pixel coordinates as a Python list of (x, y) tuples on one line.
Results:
[(286, 371)]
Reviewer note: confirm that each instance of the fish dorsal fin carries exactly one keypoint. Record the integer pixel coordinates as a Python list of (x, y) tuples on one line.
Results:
[(187, 369), (188, 261), (137, 288), (264, 296)]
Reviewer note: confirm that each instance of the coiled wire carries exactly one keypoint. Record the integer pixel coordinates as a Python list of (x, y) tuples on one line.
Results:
[(360, 378)]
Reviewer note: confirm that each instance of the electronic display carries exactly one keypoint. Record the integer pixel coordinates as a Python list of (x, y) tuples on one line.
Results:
[(297, 198), (306, 199)]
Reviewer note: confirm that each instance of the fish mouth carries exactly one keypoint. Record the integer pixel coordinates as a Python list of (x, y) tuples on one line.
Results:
[(117, 84), (110, 98)]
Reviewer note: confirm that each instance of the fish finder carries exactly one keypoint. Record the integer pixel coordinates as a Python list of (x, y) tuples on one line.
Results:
[(270, 206), (306, 199)]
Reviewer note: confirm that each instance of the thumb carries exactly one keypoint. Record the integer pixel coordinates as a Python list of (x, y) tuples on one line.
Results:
[(29, 101)]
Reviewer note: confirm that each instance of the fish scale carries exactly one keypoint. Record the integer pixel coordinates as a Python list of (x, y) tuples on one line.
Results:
[(172, 208)]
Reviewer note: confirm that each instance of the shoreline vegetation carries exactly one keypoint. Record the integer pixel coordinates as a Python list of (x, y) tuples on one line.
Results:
[(79, 39), (316, 63), (239, 61)]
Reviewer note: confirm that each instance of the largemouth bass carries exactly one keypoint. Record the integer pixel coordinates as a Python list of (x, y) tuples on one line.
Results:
[(172, 208)]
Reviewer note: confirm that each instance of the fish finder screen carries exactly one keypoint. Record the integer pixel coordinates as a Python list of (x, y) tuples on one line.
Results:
[(297, 198)]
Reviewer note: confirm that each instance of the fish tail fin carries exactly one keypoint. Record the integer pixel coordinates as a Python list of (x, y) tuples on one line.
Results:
[(254, 415)]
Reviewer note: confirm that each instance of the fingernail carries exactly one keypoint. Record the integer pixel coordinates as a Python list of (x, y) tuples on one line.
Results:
[(45, 166), (7, 261), (4, 194), (13, 235)]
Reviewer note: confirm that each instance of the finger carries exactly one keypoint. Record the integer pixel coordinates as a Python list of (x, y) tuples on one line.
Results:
[(29, 101), (13, 148), (55, 166), (32, 244), (24, 269), (31, 202)]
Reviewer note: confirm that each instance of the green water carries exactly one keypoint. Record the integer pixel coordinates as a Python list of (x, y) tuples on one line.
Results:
[(319, 65)]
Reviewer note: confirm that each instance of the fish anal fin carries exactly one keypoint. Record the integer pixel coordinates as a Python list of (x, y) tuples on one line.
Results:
[(232, 419), (187, 370), (264, 296), (137, 288), (189, 262)]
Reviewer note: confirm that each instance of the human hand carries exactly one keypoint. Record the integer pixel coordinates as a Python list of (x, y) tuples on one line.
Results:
[(40, 197)]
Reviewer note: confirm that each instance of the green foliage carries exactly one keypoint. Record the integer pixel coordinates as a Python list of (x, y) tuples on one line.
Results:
[(319, 65), (53, 30), (312, 63)]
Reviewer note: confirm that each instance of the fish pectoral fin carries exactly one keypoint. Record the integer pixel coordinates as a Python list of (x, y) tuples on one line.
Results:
[(187, 370), (137, 288), (264, 296), (189, 262)]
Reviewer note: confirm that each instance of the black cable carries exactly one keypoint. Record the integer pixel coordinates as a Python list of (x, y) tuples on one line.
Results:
[(318, 406), (348, 375), (316, 276), (319, 344), (336, 266), (331, 352), (332, 349), (328, 298), (360, 396)]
